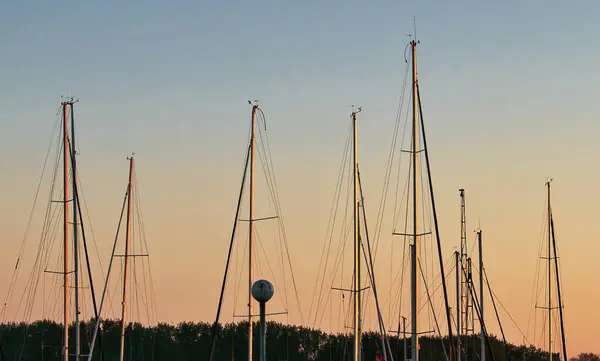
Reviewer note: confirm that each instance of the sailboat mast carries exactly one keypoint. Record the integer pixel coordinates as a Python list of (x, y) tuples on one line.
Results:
[(65, 106), (414, 264), (356, 283), (468, 322), (458, 304), (560, 304), (126, 256), (75, 239), (463, 256), (482, 335), (251, 230), (549, 276)]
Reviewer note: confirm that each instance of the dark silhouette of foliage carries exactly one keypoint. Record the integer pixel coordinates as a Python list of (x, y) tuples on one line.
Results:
[(41, 340), (586, 357)]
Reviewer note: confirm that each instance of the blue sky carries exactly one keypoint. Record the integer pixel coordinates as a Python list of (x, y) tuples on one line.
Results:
[(201, 60), (509, 90)]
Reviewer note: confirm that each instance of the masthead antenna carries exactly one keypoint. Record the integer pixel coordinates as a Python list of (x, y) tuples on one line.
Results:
[(413, 36), (357, 107), (69, 99), (478, 224), (415, 26)]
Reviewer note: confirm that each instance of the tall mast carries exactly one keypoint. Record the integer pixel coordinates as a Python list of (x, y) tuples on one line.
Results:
[(435, 218), (463, 280), (65, 106), (251, 230), (482, 335), (75, 238), (464, 288), (549, 276), (560, 304), (126, 256), (356, 283), (470, 299), (414, 265), (458, 304)]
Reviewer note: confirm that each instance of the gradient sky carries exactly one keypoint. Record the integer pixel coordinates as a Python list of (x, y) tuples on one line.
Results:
[(509, 91)]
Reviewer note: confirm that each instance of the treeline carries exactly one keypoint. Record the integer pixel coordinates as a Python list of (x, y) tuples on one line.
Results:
[(42, 341)]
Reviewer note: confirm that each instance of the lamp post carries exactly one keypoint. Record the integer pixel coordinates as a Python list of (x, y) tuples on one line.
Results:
[(262, 291)]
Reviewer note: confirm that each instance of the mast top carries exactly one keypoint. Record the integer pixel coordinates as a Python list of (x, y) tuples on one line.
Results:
[(478, 225), (354, 112), (548, 181), (68, 100), (132, 156), (254, 103), (414, 41)]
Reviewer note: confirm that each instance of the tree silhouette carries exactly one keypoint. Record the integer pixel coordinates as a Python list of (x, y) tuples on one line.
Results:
[(41, 341)]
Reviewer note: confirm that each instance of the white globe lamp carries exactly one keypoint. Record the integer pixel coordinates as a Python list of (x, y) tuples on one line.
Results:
[(262, 291)]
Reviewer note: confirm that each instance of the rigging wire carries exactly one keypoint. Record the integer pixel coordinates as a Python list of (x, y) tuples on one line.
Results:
[(233, 233), (345, 232), (149, 288), (487, 281), (437, 326), (390, 162), (277, 205), (43, 252), (106, 285), (371, 272), (495, 297), (237, 261), (14, 277), (537, 286), (318, 286), (435, 221), (77, 205)]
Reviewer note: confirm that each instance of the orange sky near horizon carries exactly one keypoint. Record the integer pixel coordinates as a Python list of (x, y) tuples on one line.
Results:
[(188, 232)]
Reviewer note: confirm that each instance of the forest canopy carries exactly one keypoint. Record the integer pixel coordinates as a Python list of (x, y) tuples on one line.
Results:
[(41, 340)]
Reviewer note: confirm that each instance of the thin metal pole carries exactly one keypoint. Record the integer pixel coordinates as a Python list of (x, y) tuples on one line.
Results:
[(104, 291), (233, 233), (487, 281), (385, 343), (458, 303), (413, 261), (356, 284), (473, 302), (126, 256), (89, 270), (437, 229), (414, 273), (251, 232), (560, 305), (464, 294), (470, 300), (404, 333), (66, 229), (549, 278), (481, 294), (263, 333), (75, 236), (478, 314)]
